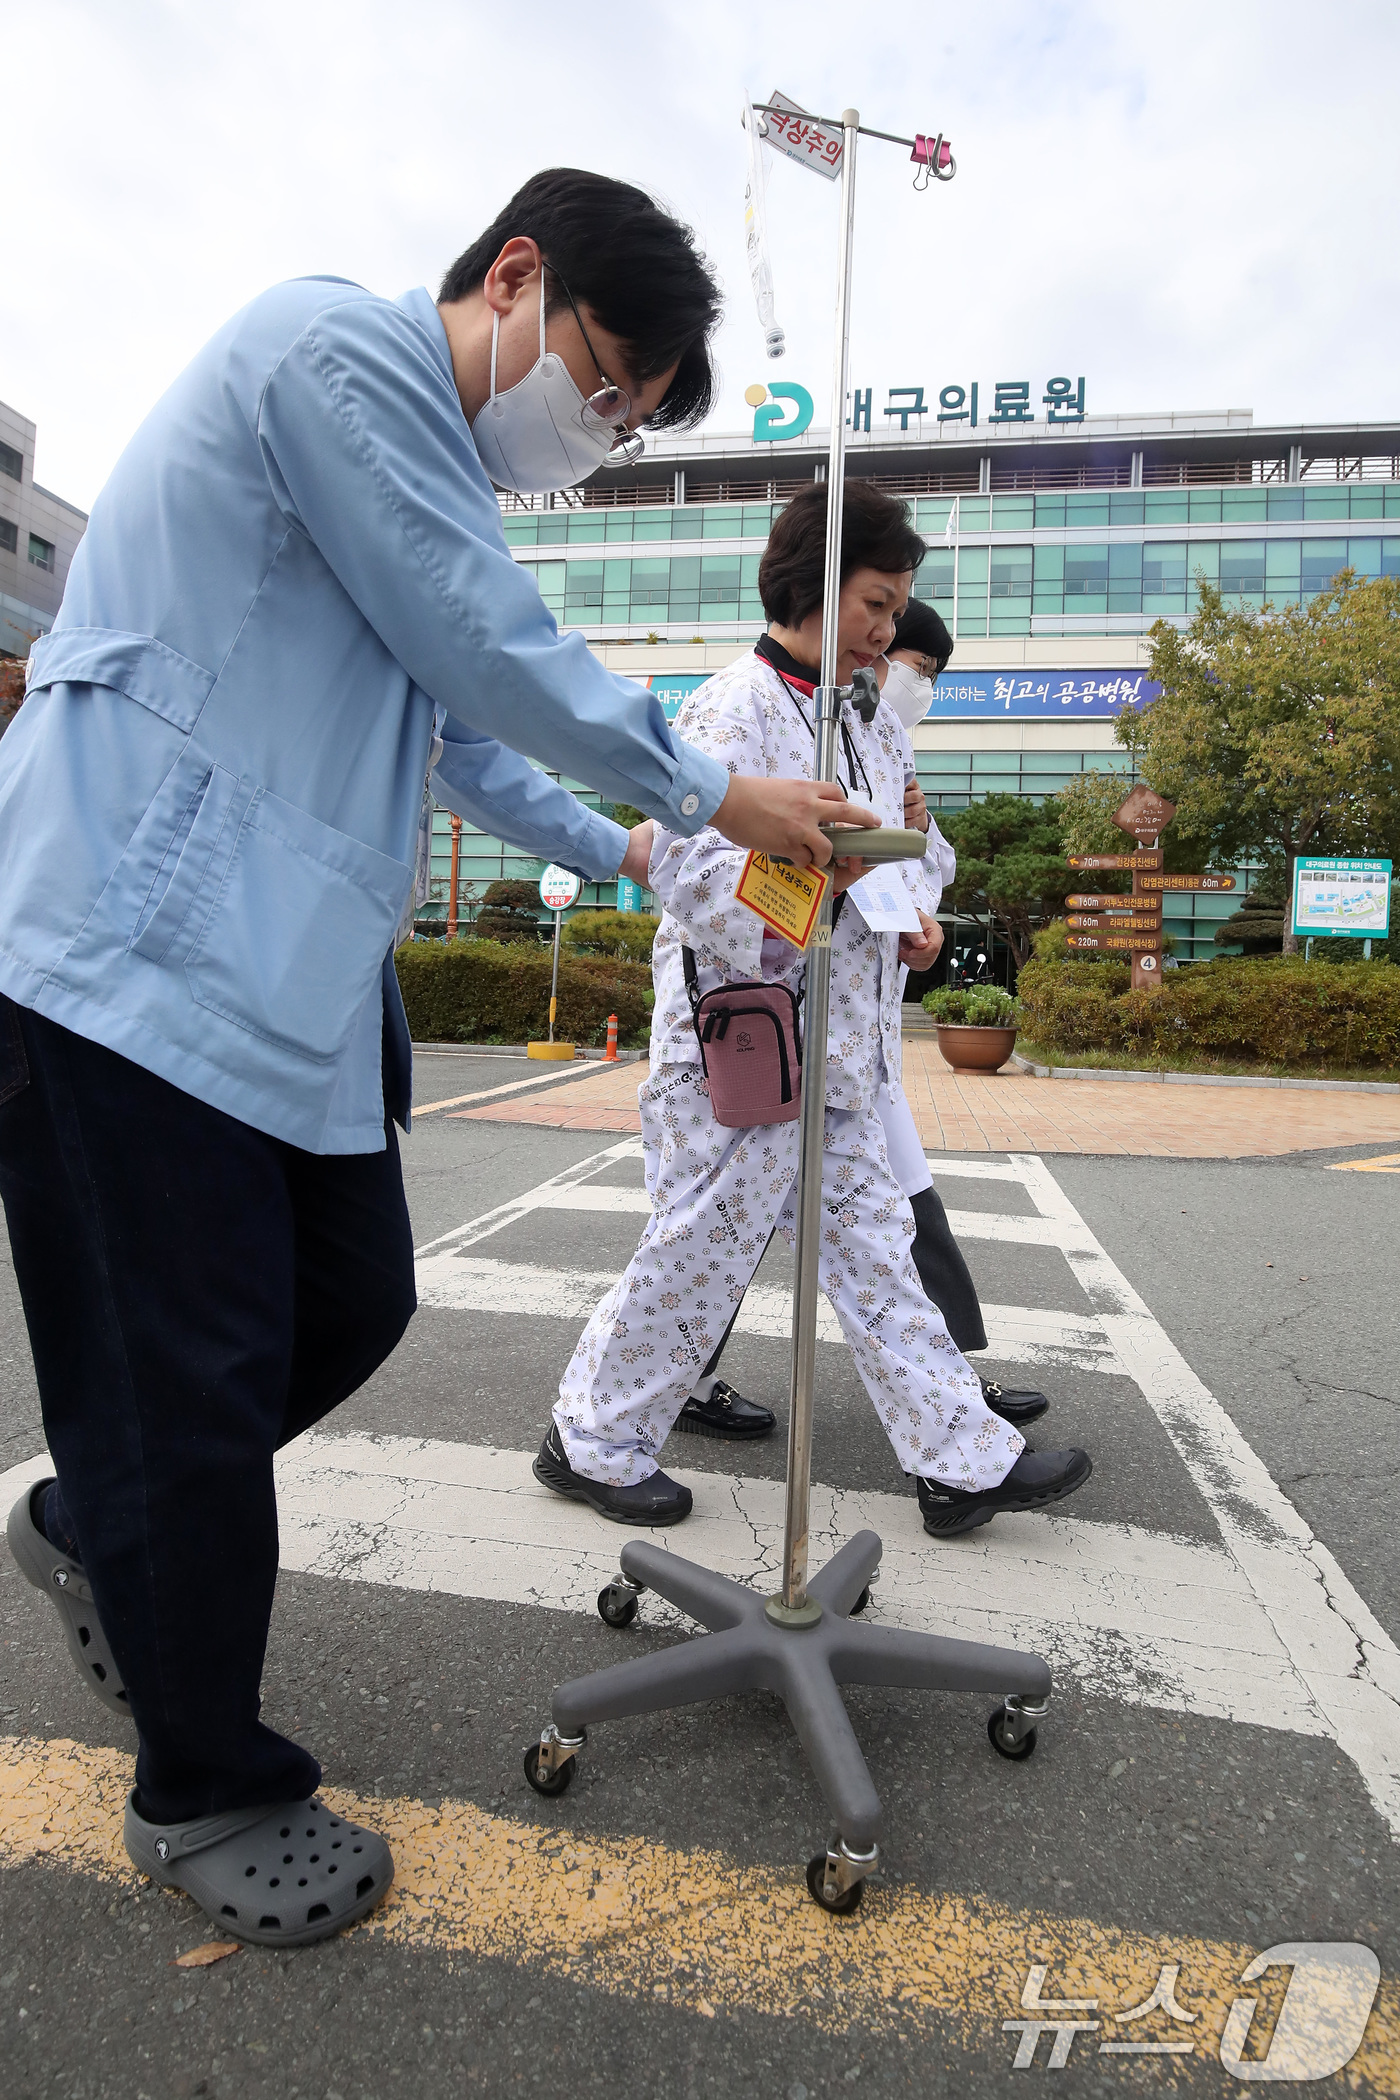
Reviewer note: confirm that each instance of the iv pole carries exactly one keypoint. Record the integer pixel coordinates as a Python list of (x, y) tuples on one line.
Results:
[(806, 1642)]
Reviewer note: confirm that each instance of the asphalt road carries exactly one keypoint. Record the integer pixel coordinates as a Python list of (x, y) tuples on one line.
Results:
[(1191, 1808)]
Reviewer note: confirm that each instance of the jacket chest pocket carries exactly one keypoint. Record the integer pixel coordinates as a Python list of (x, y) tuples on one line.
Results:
[(281, 922)]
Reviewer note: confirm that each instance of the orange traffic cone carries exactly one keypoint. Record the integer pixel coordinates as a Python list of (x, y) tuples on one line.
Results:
[(610, 1054)]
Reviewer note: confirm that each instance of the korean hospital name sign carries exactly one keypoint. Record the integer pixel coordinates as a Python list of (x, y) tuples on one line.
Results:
[(1060, 695), (785, 411)]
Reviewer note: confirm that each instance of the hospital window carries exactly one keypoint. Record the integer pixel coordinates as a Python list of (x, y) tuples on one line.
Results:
[(11, 462), (987, 591), (41, 552), (9, 537)]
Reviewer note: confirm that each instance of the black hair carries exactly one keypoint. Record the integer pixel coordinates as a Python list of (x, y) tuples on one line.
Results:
[(629, 262), (875, 534), (920, 628)]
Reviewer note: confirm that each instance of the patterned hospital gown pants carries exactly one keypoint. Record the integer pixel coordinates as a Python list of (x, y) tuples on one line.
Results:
[(716, 1195)]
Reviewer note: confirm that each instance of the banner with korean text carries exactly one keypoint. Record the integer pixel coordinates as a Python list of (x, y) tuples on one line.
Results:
[(1051, 696)]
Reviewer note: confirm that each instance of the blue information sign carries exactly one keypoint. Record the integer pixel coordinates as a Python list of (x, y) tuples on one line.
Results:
[(967, 696), (1043, 696)]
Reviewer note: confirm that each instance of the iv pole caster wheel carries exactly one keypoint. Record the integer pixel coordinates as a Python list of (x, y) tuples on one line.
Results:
[(1009, 1730), (836, 1877), (861, 1601), (843, 1904), (549, 1763), (617, 1603)]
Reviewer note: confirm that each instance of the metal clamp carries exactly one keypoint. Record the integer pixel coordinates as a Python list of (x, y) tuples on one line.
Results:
[(1021, 1714), (556, 1749), (844, 1868)]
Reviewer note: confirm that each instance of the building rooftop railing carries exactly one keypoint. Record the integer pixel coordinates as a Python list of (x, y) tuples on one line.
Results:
[(1004, 478)]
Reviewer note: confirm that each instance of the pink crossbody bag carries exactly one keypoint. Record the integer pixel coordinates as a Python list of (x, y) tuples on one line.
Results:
[(750, 1047)]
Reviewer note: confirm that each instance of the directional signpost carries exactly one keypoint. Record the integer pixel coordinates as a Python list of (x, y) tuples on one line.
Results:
[(1132, 925)]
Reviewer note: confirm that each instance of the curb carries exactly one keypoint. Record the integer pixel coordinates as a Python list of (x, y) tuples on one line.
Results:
[(590, 1055), (1325, 1086)]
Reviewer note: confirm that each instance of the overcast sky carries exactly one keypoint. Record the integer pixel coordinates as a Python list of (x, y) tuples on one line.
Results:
[(1191, 204)]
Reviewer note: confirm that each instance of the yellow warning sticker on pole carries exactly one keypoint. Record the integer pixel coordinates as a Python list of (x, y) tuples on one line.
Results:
[(786, 898)]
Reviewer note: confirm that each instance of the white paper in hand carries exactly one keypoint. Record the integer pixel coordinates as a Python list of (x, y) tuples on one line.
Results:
[(883, 901)]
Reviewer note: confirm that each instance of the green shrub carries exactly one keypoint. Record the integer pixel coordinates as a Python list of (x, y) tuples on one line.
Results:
[(488, 992), (1277, 1009), (628, 933), (509, 911), (978, 1006)]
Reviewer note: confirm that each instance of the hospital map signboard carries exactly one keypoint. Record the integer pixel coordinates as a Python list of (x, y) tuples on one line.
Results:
[(1349, 899)]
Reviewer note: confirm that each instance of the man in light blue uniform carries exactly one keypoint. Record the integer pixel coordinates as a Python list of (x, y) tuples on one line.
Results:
[(208, 807)]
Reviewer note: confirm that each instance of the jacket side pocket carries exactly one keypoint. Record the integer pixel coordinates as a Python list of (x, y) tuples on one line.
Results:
[(184, 864), (295, 938)]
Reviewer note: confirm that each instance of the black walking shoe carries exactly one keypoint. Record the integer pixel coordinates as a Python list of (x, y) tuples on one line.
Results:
[(655, 1500), (727, 1415), (1037, 1478), (1012, 1403)]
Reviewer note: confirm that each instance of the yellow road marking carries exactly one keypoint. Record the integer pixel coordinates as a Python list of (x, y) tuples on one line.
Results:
[(1387, 1163), (633, 1918)]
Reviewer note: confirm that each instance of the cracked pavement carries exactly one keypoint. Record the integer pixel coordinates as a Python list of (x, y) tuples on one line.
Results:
[(1133, 1816)]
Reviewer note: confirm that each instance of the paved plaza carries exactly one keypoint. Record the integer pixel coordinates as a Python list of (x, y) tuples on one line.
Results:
[(1200, 1281)]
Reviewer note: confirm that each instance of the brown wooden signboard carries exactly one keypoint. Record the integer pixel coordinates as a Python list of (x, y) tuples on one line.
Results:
[(1134, 944), (1144, 814), (1133, 925), (1114, 922), (1145, 861), (1188, 882)]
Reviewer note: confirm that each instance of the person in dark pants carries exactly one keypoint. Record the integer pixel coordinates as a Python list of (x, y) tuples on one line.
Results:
[(217, 1291), (294, 606)]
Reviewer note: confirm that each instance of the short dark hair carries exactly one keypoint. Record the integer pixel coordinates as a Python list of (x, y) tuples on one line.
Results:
[(875, 534), (632, 264), (920, 628)]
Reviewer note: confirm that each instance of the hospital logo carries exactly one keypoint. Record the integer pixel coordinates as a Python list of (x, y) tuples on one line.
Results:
[(781, 411)]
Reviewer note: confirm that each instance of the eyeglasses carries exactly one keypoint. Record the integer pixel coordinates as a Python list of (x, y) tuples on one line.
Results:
[(610, 406)]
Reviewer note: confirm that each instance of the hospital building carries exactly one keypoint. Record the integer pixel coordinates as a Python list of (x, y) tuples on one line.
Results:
[(1056, 536)]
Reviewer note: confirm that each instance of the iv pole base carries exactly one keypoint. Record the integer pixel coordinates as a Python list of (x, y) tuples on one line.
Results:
[(746, 1650)]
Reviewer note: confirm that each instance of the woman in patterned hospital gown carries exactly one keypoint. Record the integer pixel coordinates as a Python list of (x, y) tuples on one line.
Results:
[(717, 1192)]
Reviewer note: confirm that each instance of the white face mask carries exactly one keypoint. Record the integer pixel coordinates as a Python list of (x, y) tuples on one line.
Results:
[(909, 695), (532, 438)]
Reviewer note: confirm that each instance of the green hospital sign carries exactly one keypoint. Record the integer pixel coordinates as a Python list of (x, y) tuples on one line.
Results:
[(1349, 899)]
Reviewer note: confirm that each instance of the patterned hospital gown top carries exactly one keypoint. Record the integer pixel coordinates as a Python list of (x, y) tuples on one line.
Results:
[(749, 718)]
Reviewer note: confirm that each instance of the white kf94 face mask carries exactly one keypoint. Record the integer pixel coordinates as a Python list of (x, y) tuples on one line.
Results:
[(909, 695), (532, 438)]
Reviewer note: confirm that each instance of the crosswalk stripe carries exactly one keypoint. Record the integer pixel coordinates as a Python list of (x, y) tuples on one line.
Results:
[(1133, 1614), (965, 1224), (1020, 1334)]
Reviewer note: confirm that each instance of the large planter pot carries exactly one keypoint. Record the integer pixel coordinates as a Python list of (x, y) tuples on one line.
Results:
[(975, 1049)]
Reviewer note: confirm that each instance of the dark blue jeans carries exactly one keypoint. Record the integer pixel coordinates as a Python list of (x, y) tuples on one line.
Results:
[(196, 1294)]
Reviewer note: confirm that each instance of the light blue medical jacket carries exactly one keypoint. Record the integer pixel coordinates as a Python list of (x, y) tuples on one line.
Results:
[(210, 797)]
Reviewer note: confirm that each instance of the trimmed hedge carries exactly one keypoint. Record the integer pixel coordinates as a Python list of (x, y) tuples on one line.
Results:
[(1278, 1009), (629, 933), (487, 992)]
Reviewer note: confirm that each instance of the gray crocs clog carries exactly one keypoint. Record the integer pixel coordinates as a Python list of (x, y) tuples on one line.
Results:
[(280, 1876), (64, 1582)]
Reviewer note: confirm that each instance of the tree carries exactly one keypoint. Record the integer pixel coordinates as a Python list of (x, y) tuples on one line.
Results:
[(509, 911), (1277, 732), (1010, 863)]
